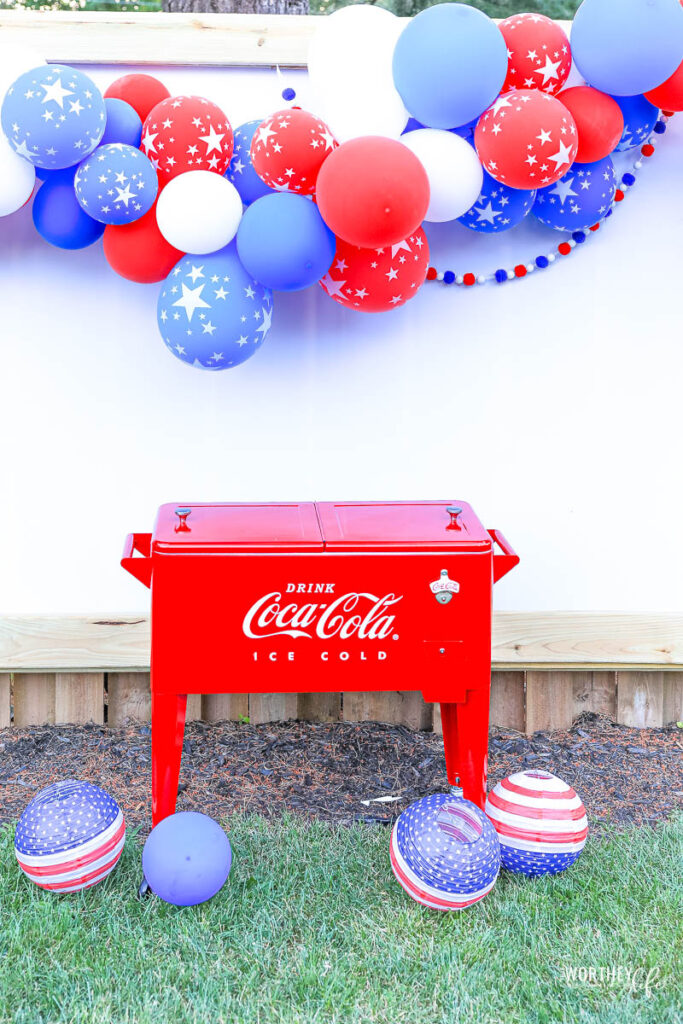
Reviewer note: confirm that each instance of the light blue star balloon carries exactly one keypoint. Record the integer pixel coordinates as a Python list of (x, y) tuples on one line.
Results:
[(639, 120), (581, 198), (211, 312), (241, 171), (116, 184), (54, 116), (498, 207)]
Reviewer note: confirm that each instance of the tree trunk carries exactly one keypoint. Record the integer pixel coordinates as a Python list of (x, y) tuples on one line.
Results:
[(237, 6)]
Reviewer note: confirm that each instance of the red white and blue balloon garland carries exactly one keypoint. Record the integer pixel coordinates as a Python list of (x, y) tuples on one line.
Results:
[(402, 132)]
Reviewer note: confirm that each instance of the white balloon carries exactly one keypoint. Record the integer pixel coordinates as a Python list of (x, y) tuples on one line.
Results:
[(17, 179), (453, 168), (199, 212), (350, 72), (14, 61)]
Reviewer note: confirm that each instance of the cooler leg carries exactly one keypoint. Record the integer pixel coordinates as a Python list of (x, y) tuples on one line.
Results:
[(449, 727), (168, 728), (473, 744)]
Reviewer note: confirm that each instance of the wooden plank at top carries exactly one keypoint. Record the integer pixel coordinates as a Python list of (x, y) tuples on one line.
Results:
[(545, 640), (219, 40)]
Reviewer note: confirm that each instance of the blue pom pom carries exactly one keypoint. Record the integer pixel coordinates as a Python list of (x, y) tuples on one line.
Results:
[(542, 262), (502, 275), (628, 179), (579, 236), (448, 277), (288, 94), (660, 127)]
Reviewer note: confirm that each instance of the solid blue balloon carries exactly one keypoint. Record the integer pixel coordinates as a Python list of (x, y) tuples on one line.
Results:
[(640, 117), (241, 170), (211, 313), (123, 123), (465, 131), (284, 243), (627, 47), (54, 116), (187, 858), (498, 207), (58, 217), (116, 184), (450, 63), (581, 198)]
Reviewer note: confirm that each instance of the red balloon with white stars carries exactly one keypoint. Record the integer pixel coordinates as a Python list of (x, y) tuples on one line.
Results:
[(187, 133), (289, 148), (375, 280), (539, 55), (526, 139)]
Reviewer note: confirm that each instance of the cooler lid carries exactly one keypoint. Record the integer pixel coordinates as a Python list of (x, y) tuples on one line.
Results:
[(235, 527), (401, 526)]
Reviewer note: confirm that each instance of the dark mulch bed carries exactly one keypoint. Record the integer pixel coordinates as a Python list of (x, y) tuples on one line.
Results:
[(625, 776)]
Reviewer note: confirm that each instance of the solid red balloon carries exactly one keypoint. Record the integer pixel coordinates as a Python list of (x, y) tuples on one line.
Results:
[(372, 192), (375, 280), (527, 139), (599, 121), (539, 55), (668, 95), (138, 251), (142, 92), (289, 148), (187, 133)]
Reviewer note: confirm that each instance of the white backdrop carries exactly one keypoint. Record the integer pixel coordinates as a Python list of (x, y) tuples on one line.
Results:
[(551, 404)]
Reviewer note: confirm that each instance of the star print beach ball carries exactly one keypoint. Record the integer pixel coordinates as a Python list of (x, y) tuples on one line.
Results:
[(445, 852), (582, 197), (540, 821), (116, 184), (54, 116), (70, 836), (498, 207), (211, 313)]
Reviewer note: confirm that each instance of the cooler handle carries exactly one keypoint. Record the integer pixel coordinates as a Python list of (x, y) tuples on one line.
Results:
[(141, 568), (508, 560)]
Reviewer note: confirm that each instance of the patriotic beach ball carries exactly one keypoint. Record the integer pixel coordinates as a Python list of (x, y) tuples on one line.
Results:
[(70, 836), (445, 852), (540, 821)]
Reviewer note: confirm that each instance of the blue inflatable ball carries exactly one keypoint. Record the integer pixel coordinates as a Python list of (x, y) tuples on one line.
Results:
[(450, 63), (498, 207), (123, 124), (581, 198), (187, 858), (627, 47), (54, 116), (640, 117), (284, 243), (211, 313), (116, 184), (241, 170), (59, 218)]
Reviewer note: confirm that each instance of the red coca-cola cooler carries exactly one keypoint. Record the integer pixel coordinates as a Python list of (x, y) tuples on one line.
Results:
[(318, 597)]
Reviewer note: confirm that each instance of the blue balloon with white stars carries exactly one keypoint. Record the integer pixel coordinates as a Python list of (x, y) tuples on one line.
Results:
[(116, 184), (241, 170), (498, 207), (640, 117), (54, 116), (211, 312), (581, 198)]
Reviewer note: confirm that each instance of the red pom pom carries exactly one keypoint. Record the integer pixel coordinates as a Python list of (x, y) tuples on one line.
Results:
[(432, 274), (618, 196), (599, 121), (138, 251), (520, 270), (669, 94), (375, 280), (564, 248), (596, 227), (142, 92), (469, 279), (289, 148), (372, 192), (527, 139), (648, 149), (539, 53), (187, 133)]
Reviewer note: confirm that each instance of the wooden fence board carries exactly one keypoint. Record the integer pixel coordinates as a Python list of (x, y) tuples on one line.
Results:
[(319, 707), (225, 707), (672, 710), (549, 700), (595, 691), (507, 700), (34, 699), (194, 707), (130, 699), (640, 699), (79, 697), (5, 700), (272, 707), (395, 707)]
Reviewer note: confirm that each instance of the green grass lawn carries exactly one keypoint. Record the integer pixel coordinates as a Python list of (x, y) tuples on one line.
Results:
[(311, 927)]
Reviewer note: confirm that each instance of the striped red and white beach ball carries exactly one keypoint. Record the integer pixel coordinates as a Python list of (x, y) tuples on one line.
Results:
[(70, 836), (540, 821), (445, 852)]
